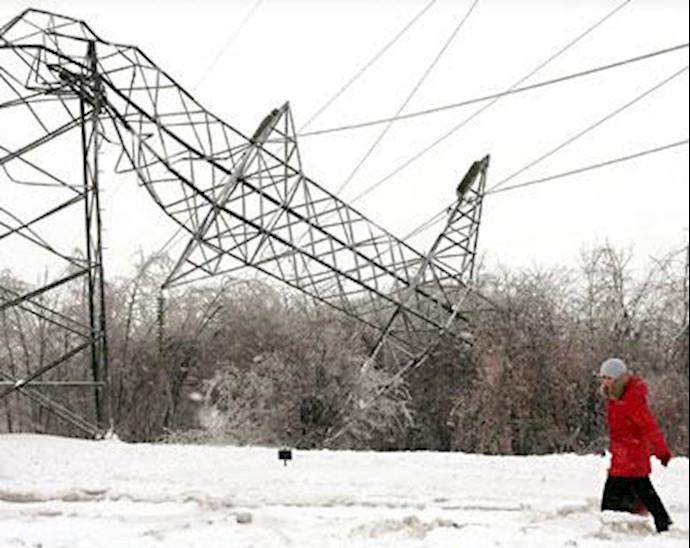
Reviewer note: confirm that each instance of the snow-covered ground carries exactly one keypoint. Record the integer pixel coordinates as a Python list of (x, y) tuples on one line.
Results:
[(57, 492)]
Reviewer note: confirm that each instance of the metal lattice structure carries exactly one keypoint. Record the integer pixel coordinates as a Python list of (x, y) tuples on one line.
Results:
[(243, 201), (32, 139)]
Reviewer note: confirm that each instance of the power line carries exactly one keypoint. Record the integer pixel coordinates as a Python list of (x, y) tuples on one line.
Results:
[(590, 167), (170, 241), (439, 216), (591, 127), (447, 134), (512, 91), (409, 98), (435, 219), (373, 60), (227, 44)]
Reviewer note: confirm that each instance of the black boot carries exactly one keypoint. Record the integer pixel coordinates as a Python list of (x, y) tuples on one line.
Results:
[(662, 525)]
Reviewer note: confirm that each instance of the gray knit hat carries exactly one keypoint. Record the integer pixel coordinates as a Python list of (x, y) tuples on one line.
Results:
[(613, 367)]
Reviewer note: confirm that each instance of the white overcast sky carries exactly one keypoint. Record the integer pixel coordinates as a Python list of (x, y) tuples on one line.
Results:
[(242, 58)]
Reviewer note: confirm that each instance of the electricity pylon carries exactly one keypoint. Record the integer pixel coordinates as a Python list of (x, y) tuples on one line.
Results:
[(243, 201)]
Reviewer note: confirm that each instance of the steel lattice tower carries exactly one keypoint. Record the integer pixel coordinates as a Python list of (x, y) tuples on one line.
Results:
[(243, 201)]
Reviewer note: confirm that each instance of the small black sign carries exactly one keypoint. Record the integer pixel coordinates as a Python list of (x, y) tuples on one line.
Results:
[(285, 455)]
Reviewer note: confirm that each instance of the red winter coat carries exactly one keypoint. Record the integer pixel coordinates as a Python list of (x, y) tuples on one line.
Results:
[(634, 432)]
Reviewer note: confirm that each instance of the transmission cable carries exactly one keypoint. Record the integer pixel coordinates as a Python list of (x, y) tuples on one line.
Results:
[(591, 127), (409, 98), (437, 217), (373, 60), (227, 44), (590, 167), (512, 91), (447, 134), (170, 240)]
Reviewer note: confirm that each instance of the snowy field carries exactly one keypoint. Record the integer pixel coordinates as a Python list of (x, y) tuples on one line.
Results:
[(57, 492)]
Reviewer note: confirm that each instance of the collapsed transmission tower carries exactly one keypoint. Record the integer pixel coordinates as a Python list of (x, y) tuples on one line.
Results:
[(243, 201)]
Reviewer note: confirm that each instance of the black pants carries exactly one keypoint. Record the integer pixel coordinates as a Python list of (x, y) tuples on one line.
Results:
[(626, 495)]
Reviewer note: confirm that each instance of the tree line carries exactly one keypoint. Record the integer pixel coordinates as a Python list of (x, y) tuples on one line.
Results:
[(246, 362)]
